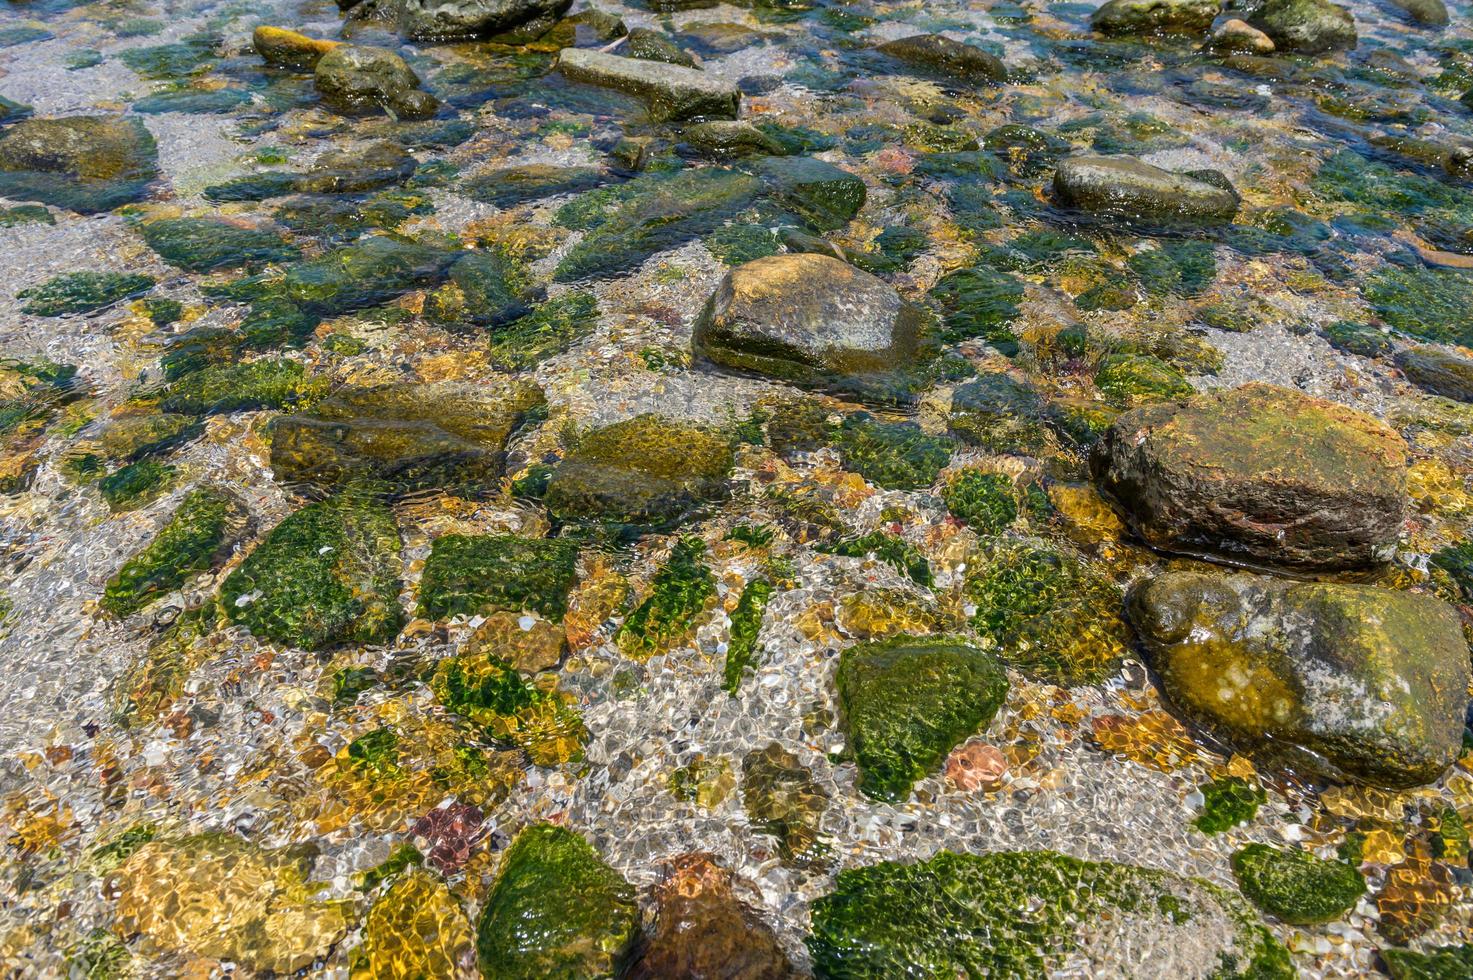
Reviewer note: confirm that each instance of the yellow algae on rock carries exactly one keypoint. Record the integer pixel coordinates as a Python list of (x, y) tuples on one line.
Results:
[(416, 930)]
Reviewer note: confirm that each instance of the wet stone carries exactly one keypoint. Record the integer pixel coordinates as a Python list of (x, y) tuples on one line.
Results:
[(950, 59), (416, 929), (810, 320), (204, 244), (375, 165), (204, 528), (905, 703), (823, 195), (287, 49), (82, 163), (1259, 475), (511, 186), (405, 438), (1295, 886), (673, 92), (556, 909), (1306, 26), (467, 574), (648, 470), (1350, 681), (354, 80), (1124, 187), (1438, 372), (782, 800), (1146, 17), (449, 20), (650, 45)]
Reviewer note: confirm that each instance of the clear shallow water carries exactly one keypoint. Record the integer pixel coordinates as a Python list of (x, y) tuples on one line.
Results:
[(136, 733)]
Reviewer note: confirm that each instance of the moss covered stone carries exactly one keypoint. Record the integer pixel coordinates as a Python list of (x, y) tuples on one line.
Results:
[(204, 528), (999, 413), (556, 910), (548, 330), (405, 438), (985, 501), (892, 455), (369, 272), (906, 703), (491, 693), (1350, 681), (682, 589), (746, 624), (83, 163), (946, 57), (1032, 913), (1123, 188), (657, 212), (134, 485), (81, 292), (1436, 963), (271, 383), (891, 549), (978, 304), (470, 574), (354, 80), (326, 575), (1048, 611), (824, 196), (672, 92), (1135, 379), (1432, 304), (204, 244), (485, 288), (509, 186), (1296, 886), (1227, 802), (647, 471), (1258, 474)]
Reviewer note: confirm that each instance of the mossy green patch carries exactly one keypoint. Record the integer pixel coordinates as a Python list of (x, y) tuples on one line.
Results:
[(1433, 304), (1227, 802), (199, 535), (490, 693), (204, 244), (978, 304), (556, 910), (746, 624), (1133, 379), (906, 703), (1296, 886), (81, 292), (1048, 612), (1012, 914), (1358, 338), (892, 455), (1436, 963), (548, 330), (986, 501), (136, 484), (271, 383), (682, 589), (326, 575), (891, 549), (467, 574)]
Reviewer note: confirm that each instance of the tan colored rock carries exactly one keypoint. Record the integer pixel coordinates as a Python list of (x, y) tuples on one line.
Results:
[(288, 49), (1238, 37)]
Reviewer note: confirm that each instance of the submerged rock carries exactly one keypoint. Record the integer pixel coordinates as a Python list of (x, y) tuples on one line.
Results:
[(288, 49), (199, 536), (1306, 26), (204, 244), (1295, 886), (1146, 17), (651, 45), (1430, 13), (1034, 913), (648, 470), (404, 437), (811, 320), (366, 273), (469, 575), (556, 909), (354, 80), (1350, 681), (952, 59), (416, 929), (510, 186), (906, 702), (83, 163), (367, 168), (1259, 475), (823, 195), (1437, 371), (449, 20), (783, 800), (1124, 187), (326, 575), (702, 930), (673, 92)]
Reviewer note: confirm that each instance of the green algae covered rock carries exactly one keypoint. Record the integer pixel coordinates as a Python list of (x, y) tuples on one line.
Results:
[(270, 383), (204, 528), (1350, 681), (204, 244), (948, 58), (1146, 17), (999, 413), (509, 186), (369, 272), (556, 910), (1125, 188), (1047, 611), (485, 287), (1258, 474), (813, 321), (1134, 379), (82, 292), (682, 589), (86, 164), (746, 624), (648, 471), (354, 80), (673, 93), (1033, 913), (822, 194), (905, 703), (1295, 886), (1436, 963), (1306, 26), (548, 330), (1227, 802), (489, 692), (326, 575), (470, 574), (987, 502), (892, 455), (404, 438), (656, 213)]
